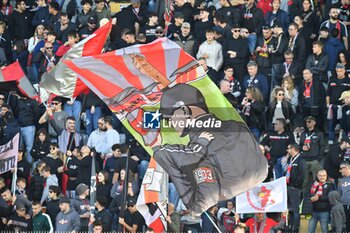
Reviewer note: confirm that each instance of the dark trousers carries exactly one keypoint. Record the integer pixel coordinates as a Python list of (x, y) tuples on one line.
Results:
[(347, 214), (294, 198)]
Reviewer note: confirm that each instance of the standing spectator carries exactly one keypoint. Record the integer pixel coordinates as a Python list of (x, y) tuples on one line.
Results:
[(69, 138), (81, 205), (67, 220), (231, 14), (23, 166), (51, 180), (102, 214), (209, 225), (104, 186), (73, 108), (186, 40), (235, 52), (260, 223), (309, 22), (54, 10), (97, 136), (279, 108), (337, 85), (173, 219), (42, 13), (312, 97), (90, 28), (277, 51), (41, 146), (6, 8), (149, 30), (235, 86), (16, 200), (318, 62), (290, 92), (46, 59), (27, 114), (121, 164), (84, 166), (289, 68), (109, 165), (255, 79), (101, 11), (213, 75), (263, 58), (111, 137), (5, 44), (345, 120), (253, 20), (20, 25), (63, 27), (222, 24), (52, 206), (332, 48), (296, 44), (71, 170), (20, 53), (18, 221), (252, 108), (344, 189), (55, 114), (85, 14), (36, 185), (201, 26), (54, 161), (174, 29), (334, 22), (186, 9), (295, 176), (276, 143), (277, 14), (319, 191), (133, 220), (41, 221), (336, 155), (312, 149), (338, 217)]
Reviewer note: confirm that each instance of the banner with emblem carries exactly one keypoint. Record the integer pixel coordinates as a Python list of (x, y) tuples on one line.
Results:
[(265, 197), (8, 154), (168, 103)]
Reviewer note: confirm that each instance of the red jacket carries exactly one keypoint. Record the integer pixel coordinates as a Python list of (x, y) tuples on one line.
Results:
[(269, 223)]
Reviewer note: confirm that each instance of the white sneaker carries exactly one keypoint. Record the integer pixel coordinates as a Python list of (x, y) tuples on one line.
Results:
[(330, 142)]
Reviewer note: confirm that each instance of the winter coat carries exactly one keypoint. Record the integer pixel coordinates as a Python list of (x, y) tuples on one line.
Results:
[(40, 150), (338, 217)]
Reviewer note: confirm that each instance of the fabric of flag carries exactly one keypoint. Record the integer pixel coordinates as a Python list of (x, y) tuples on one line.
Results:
[(213, 156), (265, 197), (62, 81), (152, 200), (8, 154), (14, 72)]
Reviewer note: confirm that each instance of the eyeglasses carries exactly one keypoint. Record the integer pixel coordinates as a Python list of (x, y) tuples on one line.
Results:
[(159, 32), (2, 98), (342, 168), (281, 94), (48, 47), (52, 148), (91, 23), (236, 30), (308, 122), (55, 103)]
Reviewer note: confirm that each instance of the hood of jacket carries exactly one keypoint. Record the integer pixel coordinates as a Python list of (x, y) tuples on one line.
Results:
[(334, 197)]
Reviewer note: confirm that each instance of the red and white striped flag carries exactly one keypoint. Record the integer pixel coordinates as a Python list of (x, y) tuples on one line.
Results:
[(14, 72), (152, 200), (63, 81)]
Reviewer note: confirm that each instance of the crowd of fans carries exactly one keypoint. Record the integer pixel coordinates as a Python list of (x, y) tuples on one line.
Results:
[(283, 64)]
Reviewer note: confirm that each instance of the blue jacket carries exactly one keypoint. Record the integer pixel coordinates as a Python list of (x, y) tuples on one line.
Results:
[(259, 81), (281, 16), (41, 16)]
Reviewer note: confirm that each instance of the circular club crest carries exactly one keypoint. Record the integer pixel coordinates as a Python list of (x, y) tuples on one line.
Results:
[(260, 198)]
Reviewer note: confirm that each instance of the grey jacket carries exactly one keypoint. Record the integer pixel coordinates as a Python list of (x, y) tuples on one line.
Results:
[(67, 222), (338, 217)]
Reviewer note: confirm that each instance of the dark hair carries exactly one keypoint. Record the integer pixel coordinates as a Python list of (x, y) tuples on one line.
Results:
[(36, 203), (46, 168), (283, 122), (101, 200), (57, 98), (19, 179), (229, 67), (210, 30), (346, 54), (72, 118), (18, 2), (83, 2), (319, 43), (295, 146), (288, 52), (99, 1), (39, 164), (55, 189), (220, 19), (108, 119), (97, 223), (64, 14), (124, 148), (42, 131), (105, 174), (54, 144), (4, 189), (20, 46), (115, 146), (73, 34), (55, 5), (294, 24)]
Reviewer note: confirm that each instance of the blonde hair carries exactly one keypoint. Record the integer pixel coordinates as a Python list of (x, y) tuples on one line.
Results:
[(290, 80), (256, 94)]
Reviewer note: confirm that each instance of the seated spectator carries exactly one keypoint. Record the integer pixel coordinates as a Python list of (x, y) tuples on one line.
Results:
[(173, 219), (81, 205), (90, 28), (133, 221), (102, 215), (255, 79), (260, 221), (186, 40), (63, 28), (344, 58), (46, 59), (101, 11), (213, 75), (290, 92), (104, 186), (21, 187), (85, 14)]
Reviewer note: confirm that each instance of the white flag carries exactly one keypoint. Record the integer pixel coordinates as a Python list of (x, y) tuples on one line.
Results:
[(265, 197)]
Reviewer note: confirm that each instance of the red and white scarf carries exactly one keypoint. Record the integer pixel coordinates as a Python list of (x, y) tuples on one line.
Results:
[(317, 188)]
